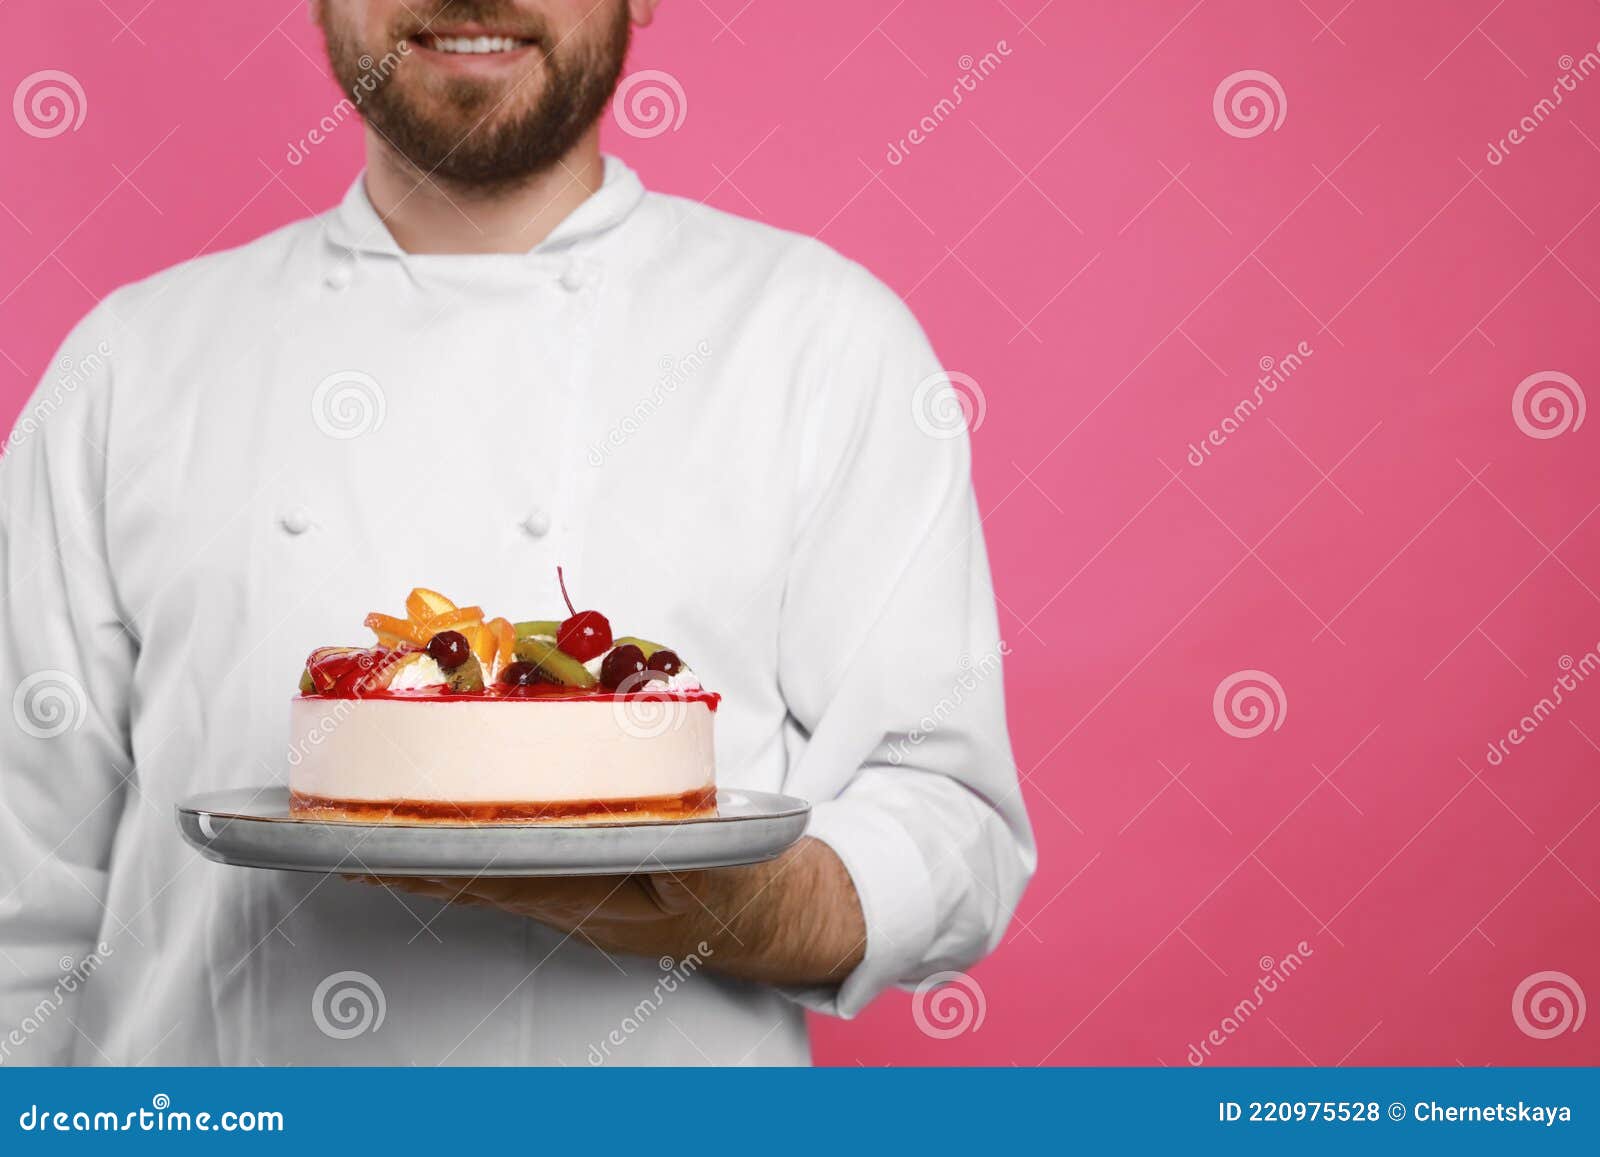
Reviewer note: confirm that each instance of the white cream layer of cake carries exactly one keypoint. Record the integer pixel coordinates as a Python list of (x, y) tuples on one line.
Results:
[(499, 750)]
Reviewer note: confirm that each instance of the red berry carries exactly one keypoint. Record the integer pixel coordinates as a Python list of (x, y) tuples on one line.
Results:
[(449, 649), (624, 661), (586, 634), (342, 671), (667, 662), (520, 674)]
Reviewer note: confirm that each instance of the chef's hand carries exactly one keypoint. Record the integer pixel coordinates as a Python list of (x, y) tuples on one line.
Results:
[(794, 920)]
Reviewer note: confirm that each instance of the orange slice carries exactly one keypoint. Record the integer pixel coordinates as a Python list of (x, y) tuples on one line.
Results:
[(423, 604), (505, 638), (481, 639), (455, 620), (397, 630)]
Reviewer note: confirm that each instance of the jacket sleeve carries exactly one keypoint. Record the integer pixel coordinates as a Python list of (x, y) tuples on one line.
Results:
[(66, 662), (890, 659)]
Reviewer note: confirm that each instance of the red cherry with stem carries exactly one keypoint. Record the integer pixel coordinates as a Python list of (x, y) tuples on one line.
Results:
[(584, 635)]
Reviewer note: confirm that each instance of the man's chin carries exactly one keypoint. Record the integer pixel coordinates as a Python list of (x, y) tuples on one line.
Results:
[(468, 114), (469, 97)]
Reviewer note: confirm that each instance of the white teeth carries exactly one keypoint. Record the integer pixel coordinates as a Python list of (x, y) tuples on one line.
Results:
[(474, 45)]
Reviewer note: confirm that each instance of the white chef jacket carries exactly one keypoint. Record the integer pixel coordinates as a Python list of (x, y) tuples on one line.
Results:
[(720, 429)]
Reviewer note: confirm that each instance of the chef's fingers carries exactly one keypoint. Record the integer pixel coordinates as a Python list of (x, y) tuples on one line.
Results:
[(669, 892), (570, 900), (435, 889)]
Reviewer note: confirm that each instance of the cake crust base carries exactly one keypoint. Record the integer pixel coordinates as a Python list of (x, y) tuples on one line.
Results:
[(690, 804)]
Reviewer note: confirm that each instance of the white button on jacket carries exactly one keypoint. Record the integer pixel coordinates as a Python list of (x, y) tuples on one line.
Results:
[(236, 460)]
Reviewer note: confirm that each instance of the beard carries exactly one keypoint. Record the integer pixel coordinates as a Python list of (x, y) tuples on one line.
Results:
[(480, 134)]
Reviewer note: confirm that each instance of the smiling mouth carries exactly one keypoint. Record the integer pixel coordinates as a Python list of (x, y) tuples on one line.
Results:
[(471, 45)]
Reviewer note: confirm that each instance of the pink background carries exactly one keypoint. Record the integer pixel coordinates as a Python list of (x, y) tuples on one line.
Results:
[(1108, 265)]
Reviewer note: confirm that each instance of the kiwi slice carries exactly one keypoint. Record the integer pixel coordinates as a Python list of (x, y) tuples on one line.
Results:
[(546, 627), (644, 645), (554, 662), (307, 687), (466, 676)]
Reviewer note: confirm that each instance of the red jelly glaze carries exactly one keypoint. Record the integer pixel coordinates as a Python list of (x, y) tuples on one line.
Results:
[(502, 693), (701, 801), (346, 674)]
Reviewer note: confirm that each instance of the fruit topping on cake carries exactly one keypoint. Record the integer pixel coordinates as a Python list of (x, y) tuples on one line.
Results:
[(439, 648), (586, 634)]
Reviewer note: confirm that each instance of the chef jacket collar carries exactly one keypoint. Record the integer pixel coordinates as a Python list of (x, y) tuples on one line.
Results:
[(355, 227)]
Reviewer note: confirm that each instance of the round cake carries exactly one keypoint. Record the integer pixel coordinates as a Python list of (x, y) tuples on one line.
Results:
[(454, 718)]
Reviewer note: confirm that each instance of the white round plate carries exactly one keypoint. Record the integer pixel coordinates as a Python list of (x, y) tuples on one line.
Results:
[(253, 828)]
